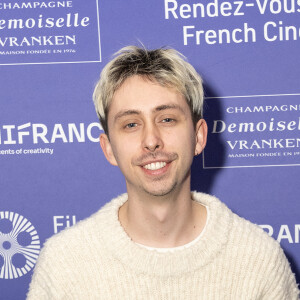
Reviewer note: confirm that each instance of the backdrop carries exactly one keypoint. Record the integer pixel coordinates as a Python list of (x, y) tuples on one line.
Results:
[(53, 172)]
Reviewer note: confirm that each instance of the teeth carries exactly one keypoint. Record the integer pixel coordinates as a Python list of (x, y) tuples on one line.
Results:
[(155, 166)]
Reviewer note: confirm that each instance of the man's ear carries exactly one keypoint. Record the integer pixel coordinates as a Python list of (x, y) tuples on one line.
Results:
[(201, 136), (107, 150)]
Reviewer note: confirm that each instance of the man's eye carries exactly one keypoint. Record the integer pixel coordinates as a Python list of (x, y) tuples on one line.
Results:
[(131, 125), (168, 120)]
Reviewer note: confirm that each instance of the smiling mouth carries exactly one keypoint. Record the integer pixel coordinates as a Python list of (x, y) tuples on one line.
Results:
[(155, 166)]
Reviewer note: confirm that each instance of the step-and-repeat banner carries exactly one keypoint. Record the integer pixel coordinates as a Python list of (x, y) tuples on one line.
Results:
[(53, 172)]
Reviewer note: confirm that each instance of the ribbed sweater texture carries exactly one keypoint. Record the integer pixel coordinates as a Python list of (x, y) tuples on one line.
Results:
[(95, 259)]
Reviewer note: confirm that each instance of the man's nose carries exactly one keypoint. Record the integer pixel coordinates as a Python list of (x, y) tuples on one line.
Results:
[(152, 138)]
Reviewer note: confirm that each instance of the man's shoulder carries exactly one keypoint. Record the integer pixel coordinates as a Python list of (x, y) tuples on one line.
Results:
[(241, 233), (247, 244), (88, 231), (252, 242), (251, 232)]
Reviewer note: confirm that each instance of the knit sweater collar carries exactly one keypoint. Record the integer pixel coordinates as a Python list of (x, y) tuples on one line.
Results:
[(113, 237)]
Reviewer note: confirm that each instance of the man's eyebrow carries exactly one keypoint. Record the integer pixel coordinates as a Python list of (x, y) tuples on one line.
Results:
[(128, 112), (169, 106)]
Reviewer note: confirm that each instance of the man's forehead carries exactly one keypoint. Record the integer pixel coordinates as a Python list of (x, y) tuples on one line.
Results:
[(135, 82), (138, 93)]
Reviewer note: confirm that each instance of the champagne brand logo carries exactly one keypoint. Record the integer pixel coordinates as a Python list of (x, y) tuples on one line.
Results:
[(42, 32), (253, 131), (19, 245)]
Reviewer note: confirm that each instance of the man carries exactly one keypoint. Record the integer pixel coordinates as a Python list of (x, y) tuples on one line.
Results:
[(159, 241)]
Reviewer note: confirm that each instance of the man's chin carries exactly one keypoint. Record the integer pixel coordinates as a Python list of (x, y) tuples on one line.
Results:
[(161, 191)]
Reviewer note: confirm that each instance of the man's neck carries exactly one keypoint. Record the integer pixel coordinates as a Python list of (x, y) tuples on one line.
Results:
[(163, 222)]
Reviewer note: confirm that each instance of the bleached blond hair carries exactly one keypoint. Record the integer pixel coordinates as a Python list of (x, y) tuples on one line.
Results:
[(165, 66)]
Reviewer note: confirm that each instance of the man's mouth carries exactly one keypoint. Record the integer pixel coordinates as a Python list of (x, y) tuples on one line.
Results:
[(155, 165)]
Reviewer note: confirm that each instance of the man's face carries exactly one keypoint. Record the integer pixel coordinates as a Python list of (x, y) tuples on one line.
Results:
[(151, 137)]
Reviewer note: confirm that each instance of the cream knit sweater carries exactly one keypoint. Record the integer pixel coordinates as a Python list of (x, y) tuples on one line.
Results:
[(96, 259)]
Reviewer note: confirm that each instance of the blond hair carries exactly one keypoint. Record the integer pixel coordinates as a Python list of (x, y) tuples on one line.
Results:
[(166, 66)]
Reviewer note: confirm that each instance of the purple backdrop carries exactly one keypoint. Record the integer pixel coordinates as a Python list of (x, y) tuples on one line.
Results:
[(53, 172)]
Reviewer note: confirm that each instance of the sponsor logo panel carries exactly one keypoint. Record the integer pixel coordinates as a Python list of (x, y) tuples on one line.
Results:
[(19, 245), (253, 131), (40, 138), (41, 32)]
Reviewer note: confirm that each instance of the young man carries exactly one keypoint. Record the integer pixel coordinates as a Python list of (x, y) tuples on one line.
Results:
[(159, 241)]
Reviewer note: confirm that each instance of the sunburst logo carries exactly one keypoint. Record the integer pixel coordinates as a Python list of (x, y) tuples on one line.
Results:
[(19, 245)]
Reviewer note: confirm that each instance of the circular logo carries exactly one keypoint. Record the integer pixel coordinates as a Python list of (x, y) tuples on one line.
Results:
[(19, 245)]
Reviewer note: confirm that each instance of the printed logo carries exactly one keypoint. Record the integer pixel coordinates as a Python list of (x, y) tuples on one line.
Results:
[(283, 233), (42, 32), (19, 245), (39, 138), (253, 131)]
